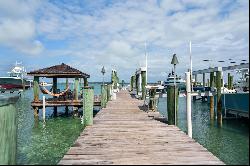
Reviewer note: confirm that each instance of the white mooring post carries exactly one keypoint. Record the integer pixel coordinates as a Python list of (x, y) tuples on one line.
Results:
[(188, 89), (43, 108)]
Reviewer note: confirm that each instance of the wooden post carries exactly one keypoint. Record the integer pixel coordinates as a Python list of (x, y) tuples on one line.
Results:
[(212, 97), (36, 88), (143, 74), (204, 79), (108, 92), (219, 102), (231, 81), (136, 83), (54, 91), (106, 96), (54, 85), (103, 96), (215, 81), (88, 103), (85, 81), (228, 81), (36, 111), (66, 94), (152, 103), (171, 105), (131, 83), (76, 88), (8, 129)]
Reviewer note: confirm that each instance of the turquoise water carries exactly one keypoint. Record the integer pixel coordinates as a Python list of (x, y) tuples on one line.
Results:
[(230, 143), (46, 144)]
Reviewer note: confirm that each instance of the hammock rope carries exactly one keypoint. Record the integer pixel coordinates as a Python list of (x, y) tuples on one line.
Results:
[(46, 91)]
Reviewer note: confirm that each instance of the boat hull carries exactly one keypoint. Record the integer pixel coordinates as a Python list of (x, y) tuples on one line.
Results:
[(13, 83)]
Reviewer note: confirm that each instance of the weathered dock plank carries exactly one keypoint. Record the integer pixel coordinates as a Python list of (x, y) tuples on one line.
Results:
[(124, 134)]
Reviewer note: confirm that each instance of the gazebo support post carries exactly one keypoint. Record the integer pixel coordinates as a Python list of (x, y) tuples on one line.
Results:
[(54, 91)]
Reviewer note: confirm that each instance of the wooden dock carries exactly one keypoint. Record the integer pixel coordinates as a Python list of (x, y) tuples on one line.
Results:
[(124, 134)]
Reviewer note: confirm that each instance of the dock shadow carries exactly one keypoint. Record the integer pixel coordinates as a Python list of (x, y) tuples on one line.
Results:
[(143, 108), (133, 96)]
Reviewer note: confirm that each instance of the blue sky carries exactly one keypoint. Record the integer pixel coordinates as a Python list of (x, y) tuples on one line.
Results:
[(89, 34)]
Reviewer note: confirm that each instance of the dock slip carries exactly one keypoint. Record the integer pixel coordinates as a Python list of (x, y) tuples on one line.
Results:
[(124, 134)]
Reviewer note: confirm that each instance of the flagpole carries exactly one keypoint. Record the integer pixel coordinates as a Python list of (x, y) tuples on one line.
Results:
[(191, 64), (146, 62)]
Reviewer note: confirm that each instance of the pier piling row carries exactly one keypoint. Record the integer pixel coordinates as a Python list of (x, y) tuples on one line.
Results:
[(140, 82)]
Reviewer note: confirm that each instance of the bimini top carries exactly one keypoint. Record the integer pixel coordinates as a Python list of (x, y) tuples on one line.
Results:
[(59, 71)]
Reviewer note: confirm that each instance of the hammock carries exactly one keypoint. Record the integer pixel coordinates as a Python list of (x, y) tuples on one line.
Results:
[(46, 91)]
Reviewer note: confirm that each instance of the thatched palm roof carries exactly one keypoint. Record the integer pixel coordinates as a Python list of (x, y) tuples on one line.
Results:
[(59, 71)]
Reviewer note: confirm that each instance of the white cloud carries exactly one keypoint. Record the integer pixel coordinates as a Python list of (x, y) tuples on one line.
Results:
[(114, 35), (17, 26)]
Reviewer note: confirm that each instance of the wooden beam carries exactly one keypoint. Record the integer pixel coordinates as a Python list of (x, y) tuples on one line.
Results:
[(76, 88), (36, 88)]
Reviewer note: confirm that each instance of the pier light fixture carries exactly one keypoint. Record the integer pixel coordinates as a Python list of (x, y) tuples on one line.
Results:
[(174, 62)]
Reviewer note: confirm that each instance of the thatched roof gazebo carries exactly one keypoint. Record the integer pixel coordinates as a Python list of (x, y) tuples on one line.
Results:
[(57, 71)]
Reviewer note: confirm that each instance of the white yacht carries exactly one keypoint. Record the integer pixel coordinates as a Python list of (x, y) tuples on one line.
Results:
[(16, 79), (178, 80)]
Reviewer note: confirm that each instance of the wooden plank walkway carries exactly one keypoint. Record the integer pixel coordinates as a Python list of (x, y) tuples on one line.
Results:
[(124, 134)]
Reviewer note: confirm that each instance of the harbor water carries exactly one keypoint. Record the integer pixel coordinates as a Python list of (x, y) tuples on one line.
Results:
[(230, 143), (46, 144)]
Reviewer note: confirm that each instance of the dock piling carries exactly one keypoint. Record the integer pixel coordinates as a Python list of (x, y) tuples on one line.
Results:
[(103, 96), (204, 79), (212, 97), (219, 102), (231, 82), (172, 93), (108, 92), (143, 74), (152, 101), (36, 88), (88, 103)]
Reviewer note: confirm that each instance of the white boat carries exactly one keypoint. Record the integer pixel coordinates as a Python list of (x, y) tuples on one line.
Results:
[(16, 79), (45, 84), (242, 85), (178, 80)]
